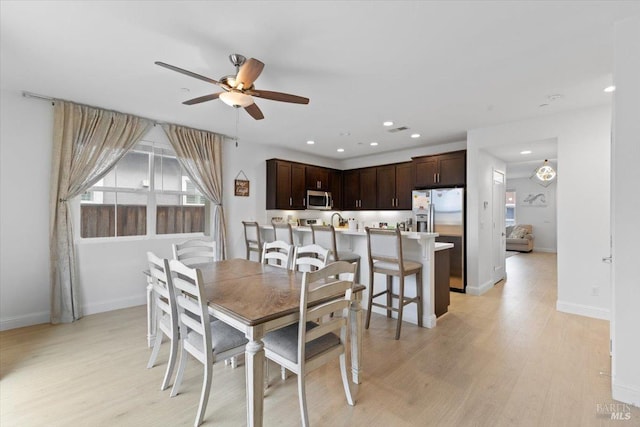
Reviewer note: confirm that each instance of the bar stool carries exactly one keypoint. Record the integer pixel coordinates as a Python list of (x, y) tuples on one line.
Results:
[(382, 260), (252, 239), (325, 236), (282, 231)]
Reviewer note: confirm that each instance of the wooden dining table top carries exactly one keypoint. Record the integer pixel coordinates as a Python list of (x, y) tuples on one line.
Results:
[(252, 292)]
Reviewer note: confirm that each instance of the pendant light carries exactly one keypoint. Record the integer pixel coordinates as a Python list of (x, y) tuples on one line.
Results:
[(544, 174)]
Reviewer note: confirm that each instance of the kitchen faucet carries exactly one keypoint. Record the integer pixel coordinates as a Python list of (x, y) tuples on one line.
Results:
[(339, 216)]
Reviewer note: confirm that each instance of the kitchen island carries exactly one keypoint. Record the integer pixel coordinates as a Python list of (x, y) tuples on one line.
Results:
[(416, 246)]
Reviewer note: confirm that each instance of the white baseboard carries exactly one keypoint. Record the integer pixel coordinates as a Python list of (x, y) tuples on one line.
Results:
[(45, 316), (583, 310), (479, 290), (115, 304), (25, 320), (625, 393)]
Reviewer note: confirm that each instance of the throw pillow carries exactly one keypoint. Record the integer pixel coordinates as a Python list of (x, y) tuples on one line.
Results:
[(518, 233)]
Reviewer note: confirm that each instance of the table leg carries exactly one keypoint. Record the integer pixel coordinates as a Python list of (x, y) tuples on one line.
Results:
[(355, 312), (254, 362), (151, 314)]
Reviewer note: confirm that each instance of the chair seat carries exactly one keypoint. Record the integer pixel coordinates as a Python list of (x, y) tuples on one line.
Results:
[(284, 341), (410, 267), (348, 256), (224, 337)]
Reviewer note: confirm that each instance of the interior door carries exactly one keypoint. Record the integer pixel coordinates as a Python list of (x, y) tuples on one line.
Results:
[(499, 236)]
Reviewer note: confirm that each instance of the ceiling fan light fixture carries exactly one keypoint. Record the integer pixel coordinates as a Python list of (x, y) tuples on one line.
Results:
[(236, 99)]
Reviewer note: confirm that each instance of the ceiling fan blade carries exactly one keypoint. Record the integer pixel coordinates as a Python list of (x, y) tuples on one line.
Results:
[(254, 111), (278, 96), (188, 73), (200, 99), (248, 73)]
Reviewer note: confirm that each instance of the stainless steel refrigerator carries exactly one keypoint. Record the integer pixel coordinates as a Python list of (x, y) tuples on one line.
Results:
[(442, 211)]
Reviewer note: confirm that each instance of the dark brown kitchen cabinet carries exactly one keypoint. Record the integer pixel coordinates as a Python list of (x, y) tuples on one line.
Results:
[(394, 185), (335, 180), (359, 189), (286, 185), (318, 178), (441, 170)]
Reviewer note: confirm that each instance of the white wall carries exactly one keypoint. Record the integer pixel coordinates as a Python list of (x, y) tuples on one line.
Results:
[(582, 202), (25, 165), (480, 242), (625, 207), (542, 218), (110, 271), (400, 155)]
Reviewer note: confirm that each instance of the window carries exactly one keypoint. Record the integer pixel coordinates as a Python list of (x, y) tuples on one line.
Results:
[(132, 201), (510, 214)]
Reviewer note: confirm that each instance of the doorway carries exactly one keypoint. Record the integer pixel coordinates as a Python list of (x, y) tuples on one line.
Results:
[(498, 223)]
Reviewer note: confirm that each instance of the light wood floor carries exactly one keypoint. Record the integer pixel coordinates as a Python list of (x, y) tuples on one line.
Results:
[(502, 359)]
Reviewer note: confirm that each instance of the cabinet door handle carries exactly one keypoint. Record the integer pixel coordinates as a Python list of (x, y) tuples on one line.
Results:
[(438, 176), (290, 201), (435, 177), (304, 202)]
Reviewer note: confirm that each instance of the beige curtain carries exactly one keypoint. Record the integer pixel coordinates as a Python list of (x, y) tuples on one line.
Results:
[(87, 143), (200, 153)]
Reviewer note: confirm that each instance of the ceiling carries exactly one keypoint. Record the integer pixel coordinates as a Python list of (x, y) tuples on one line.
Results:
[(438, 68)]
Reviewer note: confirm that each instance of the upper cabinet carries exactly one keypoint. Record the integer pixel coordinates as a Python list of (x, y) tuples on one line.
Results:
[(318, 178), (286, 185), (359, 189), (394, 184), (441, 170)]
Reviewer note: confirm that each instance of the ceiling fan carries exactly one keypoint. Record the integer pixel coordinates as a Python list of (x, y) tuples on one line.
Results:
[(239, 89)]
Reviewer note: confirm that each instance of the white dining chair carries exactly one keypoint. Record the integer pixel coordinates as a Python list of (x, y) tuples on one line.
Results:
[(305, 346), (309, 257), (277, 253), (194, 251), (166, 313), (206, 341)]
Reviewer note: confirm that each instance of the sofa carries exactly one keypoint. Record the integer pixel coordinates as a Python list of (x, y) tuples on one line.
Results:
[(520, 238)]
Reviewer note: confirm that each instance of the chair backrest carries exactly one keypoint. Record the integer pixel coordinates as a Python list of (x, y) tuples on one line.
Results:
[(163, 289), (277, 251), (309, 258), (325, 284), (325, 236), (194, 313), (194, 251), (384, 245), (252, 237), (282, 231)]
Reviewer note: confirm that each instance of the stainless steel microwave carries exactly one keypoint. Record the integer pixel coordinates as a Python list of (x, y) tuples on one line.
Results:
[(320, 200)]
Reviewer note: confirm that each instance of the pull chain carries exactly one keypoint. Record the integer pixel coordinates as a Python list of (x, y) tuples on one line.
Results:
[(237, 119)]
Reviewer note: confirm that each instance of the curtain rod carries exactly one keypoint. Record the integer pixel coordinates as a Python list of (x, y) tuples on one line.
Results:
[(155, 122)]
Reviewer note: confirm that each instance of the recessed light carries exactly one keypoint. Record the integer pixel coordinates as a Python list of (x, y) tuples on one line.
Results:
[(340, 150), (415, 135), (554, 97), (311, 142), (525, 152), (610, 89), (387, 124), (373, 144)]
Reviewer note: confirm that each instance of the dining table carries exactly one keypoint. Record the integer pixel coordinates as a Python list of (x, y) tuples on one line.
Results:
[(256, 298)]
